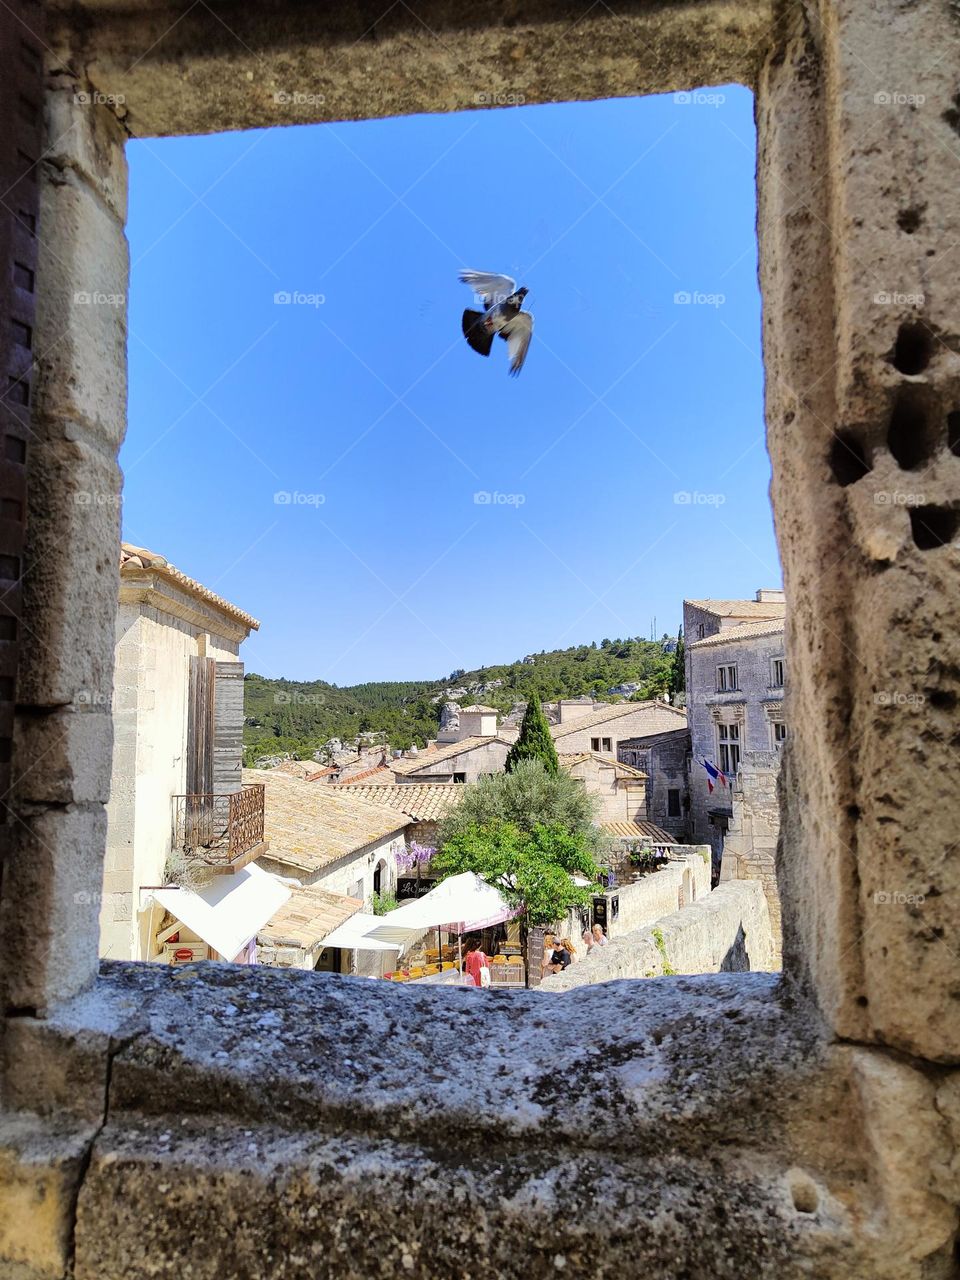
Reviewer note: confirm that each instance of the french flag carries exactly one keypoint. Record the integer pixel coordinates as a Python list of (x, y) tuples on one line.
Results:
[(713, 775)]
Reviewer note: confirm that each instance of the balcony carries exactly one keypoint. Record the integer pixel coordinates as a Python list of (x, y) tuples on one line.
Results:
[(222, 830)]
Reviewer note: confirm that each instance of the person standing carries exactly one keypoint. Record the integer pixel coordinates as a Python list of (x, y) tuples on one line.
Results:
[(474, 962)]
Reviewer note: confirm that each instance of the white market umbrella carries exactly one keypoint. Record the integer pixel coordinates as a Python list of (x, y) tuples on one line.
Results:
[(458, 905)]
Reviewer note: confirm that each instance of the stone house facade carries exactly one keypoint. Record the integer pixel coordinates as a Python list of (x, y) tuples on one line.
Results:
[(665, 759), (619, 788), (465, 760), (735, 670), (177, 714), (587, 726)]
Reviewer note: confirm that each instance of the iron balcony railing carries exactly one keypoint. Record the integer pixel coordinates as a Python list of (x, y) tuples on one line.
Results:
[(219, 827)]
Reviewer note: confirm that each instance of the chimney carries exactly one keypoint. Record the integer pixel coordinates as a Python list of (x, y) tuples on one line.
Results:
[(477, 722), (574, 709), (770, 595)]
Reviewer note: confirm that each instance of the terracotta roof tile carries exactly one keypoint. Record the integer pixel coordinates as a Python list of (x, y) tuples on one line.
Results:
[(307, 917), (135, 560), (616, 711), (641, 830), (743, 631), (310, 827), (421, 801)]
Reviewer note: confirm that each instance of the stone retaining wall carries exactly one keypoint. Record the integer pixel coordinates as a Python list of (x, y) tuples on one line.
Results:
[(726, 932)]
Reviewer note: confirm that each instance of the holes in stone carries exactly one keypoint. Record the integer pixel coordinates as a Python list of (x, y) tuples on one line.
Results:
[(953, 431), (804, 1193), (22, 334), (18, 391), (862, 1001), (933, 527), (913, 349), (853, 812), (943, 699), (911, 436), (952, 114), (848, 458), (10, 568), (11, 509), (23, 277), (15, 449), (909, 220)]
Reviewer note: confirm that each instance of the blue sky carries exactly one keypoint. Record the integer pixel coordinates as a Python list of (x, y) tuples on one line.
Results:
[(363, 407)]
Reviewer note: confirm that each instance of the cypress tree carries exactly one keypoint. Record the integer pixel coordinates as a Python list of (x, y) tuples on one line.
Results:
[(535, 741), (678, 674)]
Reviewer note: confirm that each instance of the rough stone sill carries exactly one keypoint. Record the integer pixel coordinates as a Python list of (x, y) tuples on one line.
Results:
[(219, 1099)]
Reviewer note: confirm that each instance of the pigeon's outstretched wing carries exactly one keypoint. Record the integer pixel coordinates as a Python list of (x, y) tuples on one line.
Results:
[(474, 332), (491, 288), (516, 333)]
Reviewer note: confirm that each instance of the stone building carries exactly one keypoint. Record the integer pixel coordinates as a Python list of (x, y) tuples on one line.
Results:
[(466, 759), (176, 793), (288, 1122), (325, 836), (665, 759), (735, 673), (584, 725), (619, 788)]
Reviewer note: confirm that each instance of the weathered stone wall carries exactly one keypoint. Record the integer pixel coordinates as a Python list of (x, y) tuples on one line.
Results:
[(662, 892), (750, 845), (754, 705), (727, 931), (666, 762)]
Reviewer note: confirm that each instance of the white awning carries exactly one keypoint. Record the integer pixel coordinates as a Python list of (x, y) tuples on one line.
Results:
[(353, 935), (230, 910), (458, 905)]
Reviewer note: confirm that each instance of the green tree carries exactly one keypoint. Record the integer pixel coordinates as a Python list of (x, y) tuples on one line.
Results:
[(533, 869), (678, 674), (526, 798), (535, 741)]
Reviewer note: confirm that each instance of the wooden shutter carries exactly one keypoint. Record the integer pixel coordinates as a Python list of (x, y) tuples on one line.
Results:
[(21, 146), (228, 727), (200, 725)]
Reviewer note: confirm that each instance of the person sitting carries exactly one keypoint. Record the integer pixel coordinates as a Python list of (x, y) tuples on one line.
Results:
[(600, 939)]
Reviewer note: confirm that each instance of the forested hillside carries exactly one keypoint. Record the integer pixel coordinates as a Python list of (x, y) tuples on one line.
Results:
[(299, 717)]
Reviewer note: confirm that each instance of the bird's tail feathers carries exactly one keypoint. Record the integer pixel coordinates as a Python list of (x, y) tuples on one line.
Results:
[(475, 333)]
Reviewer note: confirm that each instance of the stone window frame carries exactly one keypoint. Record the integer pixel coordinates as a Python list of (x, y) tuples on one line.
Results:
[(727, 672), (775, 663), (848, 1054)]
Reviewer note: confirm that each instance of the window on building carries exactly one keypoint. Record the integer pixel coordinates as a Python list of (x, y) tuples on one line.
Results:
[(607, 747), (728, 739), (776, 673), (459, 777), (673, 803), (727, 678), (779, 733), (700, 631), (594, 744)]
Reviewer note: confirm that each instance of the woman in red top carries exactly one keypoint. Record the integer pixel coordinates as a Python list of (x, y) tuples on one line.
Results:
[(473, 962)]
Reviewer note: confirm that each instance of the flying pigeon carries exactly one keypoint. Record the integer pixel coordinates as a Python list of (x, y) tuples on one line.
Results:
[(501, 314)]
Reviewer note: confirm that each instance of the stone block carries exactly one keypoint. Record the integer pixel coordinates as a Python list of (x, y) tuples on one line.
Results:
[(67, 755), (40, 1171), (70, 591), (49, 905), (85, 135), (80, 379)]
